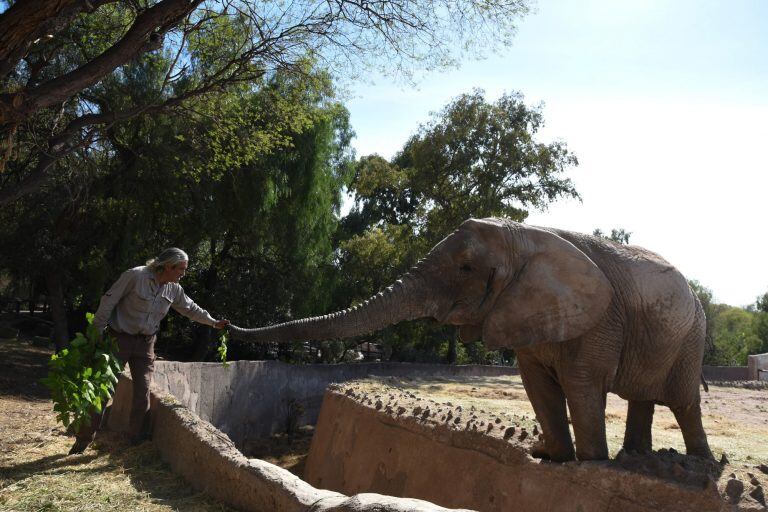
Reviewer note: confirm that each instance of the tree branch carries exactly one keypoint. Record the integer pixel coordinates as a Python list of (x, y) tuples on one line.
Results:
[(27, 21), (145, 34)]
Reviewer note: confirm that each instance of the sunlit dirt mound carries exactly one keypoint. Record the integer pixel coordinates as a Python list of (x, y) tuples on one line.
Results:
[(376, 437)]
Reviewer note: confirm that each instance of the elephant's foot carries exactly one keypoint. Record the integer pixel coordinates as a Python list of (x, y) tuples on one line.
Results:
[(540, 450), (689, 419), (636, 450), (700, 450), (592, 454)]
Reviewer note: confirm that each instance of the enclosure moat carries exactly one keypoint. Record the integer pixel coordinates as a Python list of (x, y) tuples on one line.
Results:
[(455, 437)]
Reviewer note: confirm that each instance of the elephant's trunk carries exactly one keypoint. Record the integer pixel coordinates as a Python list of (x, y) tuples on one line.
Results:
[(404, 300)]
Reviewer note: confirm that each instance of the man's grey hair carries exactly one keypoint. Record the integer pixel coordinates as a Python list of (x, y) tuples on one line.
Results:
[(171, 256)]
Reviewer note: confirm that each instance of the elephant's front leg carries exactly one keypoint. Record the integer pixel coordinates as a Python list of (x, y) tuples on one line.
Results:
[(586, 403), (548, 402), (637, 436)]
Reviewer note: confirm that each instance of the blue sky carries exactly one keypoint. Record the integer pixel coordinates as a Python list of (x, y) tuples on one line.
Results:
[(664, 102)]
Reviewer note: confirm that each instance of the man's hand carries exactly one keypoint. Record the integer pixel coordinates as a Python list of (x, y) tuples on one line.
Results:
[(220, 324)]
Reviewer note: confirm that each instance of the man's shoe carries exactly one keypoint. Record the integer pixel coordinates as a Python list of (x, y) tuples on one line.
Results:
[(79, 446)]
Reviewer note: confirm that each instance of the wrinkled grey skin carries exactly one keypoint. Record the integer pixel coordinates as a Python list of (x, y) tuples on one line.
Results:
[(585, 315)]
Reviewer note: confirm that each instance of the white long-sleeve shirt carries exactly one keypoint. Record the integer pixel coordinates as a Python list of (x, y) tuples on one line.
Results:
[(137, 302)]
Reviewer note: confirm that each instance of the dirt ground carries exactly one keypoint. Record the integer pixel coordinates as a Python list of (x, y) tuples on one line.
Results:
[(736, 419), (289, 451)]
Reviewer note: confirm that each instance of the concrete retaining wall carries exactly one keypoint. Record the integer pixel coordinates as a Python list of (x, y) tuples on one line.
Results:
[(758, 367), (250, 399), (726, 373), (209, 461)]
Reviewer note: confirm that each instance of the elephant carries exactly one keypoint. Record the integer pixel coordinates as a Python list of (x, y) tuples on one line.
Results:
[(584, 314)]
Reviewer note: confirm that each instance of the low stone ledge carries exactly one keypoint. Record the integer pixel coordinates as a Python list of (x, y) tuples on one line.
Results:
[(210, 462), (395, 443)]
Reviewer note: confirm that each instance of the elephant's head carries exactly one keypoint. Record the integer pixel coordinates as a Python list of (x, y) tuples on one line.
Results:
[(511, 284)]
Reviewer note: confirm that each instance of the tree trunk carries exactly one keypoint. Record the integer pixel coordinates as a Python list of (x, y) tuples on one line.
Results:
[(453, 348), (145, 34), (53, 281)]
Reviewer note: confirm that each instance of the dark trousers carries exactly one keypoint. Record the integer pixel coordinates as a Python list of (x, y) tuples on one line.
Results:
[(138, 351)]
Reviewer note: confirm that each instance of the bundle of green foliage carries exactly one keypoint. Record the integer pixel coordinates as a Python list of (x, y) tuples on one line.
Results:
[(82, 378)]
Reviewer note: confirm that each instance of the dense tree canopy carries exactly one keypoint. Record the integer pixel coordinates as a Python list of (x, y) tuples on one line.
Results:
[(56, 58), (249, 184), (733, 333)]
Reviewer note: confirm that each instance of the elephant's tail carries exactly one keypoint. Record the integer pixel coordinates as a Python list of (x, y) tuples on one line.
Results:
[(704, 383)]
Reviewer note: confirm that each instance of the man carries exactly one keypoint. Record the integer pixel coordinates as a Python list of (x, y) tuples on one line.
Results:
[(131, 311)]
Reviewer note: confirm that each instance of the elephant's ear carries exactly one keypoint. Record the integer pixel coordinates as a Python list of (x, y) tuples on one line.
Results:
[(558, 295)]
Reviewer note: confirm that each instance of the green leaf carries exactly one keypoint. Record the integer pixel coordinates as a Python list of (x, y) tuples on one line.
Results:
[(76, 377)]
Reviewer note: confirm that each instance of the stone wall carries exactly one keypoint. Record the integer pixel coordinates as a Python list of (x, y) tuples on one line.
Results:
[(725, 373), (758, 367), (250, 399), (211, 463), (470, 460)]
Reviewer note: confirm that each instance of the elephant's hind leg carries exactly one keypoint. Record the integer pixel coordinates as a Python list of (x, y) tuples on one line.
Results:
[(548, 402), (689, 419), (637, 436)]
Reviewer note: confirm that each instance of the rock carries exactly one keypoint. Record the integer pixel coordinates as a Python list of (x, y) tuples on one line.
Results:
[(400, 410), (457, 420), (535, 430), (523, 434), (509, 432), (498, 420), (733, 489), (758, 495), (417, 411), (723, 459), (763, 468), (379, 405)]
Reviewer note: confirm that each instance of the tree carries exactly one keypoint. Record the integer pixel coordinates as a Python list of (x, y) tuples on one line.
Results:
[(761, 304), (620, 236), (473, 159), (735, 336), (710, 312), (56, 56), (247, 182)]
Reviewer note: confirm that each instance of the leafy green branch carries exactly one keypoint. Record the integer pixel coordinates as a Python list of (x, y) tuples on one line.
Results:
[(82, 378), (221, 350)]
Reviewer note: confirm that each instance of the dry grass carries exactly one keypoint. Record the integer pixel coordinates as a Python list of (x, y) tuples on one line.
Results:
[(36, 474), (736, 419)]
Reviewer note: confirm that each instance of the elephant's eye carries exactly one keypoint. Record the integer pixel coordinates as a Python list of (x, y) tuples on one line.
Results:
[(466, 268)]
